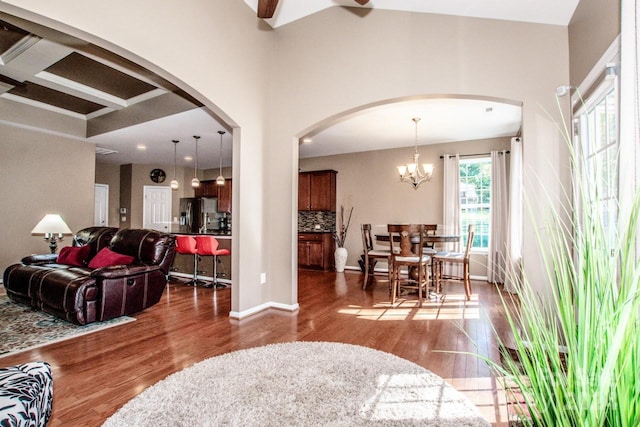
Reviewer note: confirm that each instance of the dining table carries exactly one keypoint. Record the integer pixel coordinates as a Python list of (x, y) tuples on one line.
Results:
[(429, 239), (409, 247)]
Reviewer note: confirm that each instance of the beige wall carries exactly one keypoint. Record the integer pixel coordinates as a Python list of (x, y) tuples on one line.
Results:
[(41, 174), (594, 26), (392, 55), (272, 86), (368, 182)]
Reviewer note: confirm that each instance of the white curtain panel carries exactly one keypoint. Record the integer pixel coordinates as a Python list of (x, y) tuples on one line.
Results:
[(451, 207), (514, 235), (497, 255), (629, 107)]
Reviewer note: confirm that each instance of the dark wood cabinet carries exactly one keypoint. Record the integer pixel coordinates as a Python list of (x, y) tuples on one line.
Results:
[(315, 251), (209, 188), (317, 191), (224, 196)]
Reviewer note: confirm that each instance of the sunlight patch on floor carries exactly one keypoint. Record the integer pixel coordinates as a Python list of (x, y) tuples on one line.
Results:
[(448, 307), (491, 404)]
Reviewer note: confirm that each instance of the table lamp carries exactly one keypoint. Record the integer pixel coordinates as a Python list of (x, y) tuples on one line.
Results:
[(53, 227)]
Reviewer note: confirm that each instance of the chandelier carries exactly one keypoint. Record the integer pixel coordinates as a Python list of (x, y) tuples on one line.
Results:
[(411, 172)]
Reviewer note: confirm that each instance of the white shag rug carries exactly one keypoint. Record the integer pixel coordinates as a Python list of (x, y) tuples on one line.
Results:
[(301, 384)]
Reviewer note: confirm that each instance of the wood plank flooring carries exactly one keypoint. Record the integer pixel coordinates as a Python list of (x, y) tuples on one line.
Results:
[(96, 374)]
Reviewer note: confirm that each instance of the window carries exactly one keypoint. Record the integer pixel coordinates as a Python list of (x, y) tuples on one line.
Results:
[(596, 136), (475, 199)]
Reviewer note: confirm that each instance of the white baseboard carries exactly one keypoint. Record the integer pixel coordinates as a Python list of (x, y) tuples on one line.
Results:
[(239, 315)]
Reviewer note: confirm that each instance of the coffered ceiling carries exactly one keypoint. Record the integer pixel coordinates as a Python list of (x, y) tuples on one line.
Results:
[(131, 114)]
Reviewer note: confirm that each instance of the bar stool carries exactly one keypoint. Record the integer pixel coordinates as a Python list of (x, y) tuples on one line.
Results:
[(208, 245), (187, 245)]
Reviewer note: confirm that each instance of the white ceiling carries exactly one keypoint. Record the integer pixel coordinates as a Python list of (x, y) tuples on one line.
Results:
[(391, 125), (556, 12), (157, 136)]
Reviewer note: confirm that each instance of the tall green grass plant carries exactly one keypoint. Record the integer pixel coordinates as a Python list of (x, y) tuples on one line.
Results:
[(576, 359)]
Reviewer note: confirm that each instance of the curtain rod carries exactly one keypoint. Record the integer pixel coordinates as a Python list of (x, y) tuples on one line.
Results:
[(478, 154)]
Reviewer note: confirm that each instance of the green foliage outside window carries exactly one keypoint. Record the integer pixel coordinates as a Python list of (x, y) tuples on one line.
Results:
[(475, 198)]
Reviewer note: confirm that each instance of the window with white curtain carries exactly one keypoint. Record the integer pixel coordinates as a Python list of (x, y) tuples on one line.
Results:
[(475, 199), (596, 139)]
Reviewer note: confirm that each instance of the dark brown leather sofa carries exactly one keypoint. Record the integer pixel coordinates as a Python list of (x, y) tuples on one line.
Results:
[(84, 295)]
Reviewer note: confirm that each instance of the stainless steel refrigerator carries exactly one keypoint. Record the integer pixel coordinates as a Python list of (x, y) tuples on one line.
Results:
[(191, 214)]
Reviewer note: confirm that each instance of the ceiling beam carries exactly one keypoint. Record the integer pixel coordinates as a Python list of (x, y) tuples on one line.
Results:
[(10, 81), (266, 8)]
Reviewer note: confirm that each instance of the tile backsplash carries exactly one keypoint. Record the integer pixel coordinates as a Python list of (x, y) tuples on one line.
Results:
[(316, 221)]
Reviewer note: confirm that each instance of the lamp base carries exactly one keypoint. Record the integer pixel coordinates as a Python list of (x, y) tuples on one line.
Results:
[(53, 242)]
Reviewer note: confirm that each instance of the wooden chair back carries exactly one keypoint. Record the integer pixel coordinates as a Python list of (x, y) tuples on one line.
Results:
[(430, 230), (471, 232), (367, 241), (404, 233)]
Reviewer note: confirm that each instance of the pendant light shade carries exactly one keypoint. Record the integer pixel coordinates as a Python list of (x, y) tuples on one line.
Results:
[(174, 182), (220, 179), (195, 182)]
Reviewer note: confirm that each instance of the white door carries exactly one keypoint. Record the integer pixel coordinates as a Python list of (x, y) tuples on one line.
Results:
[(156, 208), (101, 209)]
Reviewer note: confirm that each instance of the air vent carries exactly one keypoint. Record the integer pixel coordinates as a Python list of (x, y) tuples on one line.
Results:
[(104, 151)]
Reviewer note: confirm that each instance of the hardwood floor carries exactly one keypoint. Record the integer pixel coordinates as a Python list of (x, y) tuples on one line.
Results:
[(97, 373)]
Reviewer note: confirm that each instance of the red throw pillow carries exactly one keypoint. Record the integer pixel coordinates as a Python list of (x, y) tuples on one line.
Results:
[(106, 258), (74, 255)]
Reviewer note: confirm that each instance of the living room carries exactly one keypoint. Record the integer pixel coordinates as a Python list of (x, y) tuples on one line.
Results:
[(318, 67)]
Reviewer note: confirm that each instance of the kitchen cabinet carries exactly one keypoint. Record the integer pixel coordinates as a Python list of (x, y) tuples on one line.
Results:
[(317, 191), (209, 188), (315, 251), (224, 196)]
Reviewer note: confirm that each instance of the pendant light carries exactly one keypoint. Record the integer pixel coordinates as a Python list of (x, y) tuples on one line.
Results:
[(411, 172), (220, 178), (195, 182), (174, 182)]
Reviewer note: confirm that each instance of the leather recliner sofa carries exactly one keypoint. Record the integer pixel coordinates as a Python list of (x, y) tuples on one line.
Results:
[(81, 294)]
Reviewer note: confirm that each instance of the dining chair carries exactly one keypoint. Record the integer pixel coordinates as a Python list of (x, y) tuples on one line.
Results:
[(414, 262), (456, 258), (429, 230), (371, 255)]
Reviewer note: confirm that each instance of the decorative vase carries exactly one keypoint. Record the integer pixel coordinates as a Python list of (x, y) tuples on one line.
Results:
[(341, 259)]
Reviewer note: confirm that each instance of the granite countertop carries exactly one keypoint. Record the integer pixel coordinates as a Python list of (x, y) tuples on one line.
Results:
[(313, 230), (207, 233)]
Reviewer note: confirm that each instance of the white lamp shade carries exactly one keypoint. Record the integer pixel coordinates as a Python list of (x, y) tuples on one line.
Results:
[(51, 224), (174, 184), (220, 180), (195, 183), (428, 168), (412, 168), (402, 170)]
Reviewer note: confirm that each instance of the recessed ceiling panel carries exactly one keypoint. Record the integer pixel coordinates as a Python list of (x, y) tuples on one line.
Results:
[(61, 100), (10, 35), (94, 74)]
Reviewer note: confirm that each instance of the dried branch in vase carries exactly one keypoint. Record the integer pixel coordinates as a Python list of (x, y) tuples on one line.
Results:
[(341, 234)]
